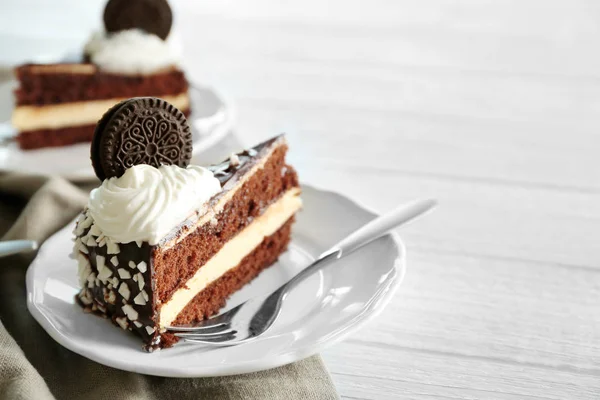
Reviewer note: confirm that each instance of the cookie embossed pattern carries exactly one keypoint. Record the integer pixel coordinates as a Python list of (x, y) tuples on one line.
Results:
[(156, 134)]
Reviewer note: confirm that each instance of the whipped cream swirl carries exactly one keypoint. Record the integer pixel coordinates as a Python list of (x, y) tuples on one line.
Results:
[(131, 52), (146, 203)]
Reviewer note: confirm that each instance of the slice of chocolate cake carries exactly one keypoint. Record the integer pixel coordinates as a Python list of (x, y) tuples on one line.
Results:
[(167, 246), (59, 104)]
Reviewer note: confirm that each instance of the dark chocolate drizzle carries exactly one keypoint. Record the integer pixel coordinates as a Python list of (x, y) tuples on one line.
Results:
[(127, 252), (226, 170)]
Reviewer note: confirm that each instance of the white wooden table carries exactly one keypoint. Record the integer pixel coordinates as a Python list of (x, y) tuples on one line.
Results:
[(493, 107)]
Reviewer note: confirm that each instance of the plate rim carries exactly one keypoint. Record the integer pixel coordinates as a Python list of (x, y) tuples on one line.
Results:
[(218, 133), (375, 306)]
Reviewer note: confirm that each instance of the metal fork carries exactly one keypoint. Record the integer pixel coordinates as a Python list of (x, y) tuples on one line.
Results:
[(252, 318)]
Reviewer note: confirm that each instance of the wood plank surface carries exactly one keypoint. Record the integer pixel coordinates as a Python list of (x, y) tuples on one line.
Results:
[(493, 107)]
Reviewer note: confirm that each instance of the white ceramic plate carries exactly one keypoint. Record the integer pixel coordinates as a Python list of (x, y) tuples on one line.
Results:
[(321, 311), (211, 120)]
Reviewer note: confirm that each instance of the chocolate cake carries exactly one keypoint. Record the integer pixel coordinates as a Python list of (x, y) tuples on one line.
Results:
[(59, 104), (166, 245)]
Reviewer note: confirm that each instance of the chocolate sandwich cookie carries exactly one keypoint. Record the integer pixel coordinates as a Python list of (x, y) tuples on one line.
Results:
[(142, 130), (152, 16)]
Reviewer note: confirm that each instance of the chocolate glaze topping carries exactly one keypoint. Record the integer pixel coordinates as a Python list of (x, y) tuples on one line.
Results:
[(108, 296), (226, 170)]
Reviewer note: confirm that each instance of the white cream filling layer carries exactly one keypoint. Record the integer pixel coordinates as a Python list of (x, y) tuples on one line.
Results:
[(232, 253), (56, 116)]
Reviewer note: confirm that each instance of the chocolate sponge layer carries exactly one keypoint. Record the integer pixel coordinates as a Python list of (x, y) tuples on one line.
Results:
[(174, 266), (43, 84), (209, 301)]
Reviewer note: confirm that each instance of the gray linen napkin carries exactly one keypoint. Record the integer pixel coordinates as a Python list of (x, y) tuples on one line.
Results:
[(33, 366)]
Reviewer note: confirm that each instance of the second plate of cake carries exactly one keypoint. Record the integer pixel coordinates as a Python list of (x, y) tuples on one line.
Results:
[(53, 107)]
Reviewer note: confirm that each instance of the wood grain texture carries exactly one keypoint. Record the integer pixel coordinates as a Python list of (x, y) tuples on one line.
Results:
[(493, 107)]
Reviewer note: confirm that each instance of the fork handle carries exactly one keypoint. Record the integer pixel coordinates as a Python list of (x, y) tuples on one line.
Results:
[(16, 246), (364, 235), (382, 225)]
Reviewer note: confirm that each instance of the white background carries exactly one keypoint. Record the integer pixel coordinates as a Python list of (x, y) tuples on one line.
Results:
[(493, 107)]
